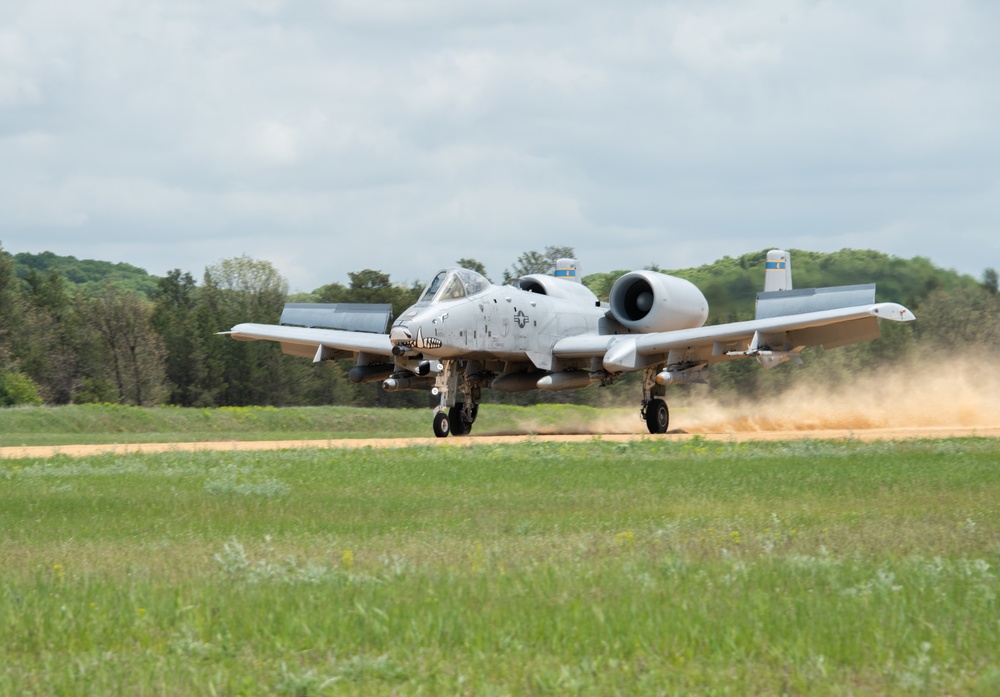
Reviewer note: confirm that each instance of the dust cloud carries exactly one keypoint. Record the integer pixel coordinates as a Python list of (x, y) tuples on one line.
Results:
[(955, 392), (617, 421), (932, 394)]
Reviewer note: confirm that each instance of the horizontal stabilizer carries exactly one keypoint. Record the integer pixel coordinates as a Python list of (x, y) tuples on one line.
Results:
[(353, 317), (783, 303)]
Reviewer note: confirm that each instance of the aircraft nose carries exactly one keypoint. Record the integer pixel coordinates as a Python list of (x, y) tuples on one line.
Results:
[(400, 336), (404, 337)]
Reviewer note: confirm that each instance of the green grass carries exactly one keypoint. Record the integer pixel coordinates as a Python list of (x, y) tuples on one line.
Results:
[(812, 567), (109, 423)]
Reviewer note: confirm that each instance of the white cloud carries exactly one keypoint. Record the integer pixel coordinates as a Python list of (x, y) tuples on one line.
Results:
[(334, 136)]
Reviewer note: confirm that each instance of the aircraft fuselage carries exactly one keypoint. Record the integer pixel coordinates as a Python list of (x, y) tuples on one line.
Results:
[(500, 323)]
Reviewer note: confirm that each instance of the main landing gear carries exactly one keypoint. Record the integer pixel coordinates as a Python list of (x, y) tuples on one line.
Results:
[(656, 415), (654, 408), (453, 416), (461, 419)]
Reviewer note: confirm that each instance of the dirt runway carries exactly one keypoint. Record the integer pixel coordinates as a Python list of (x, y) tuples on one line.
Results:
[(871, 434)]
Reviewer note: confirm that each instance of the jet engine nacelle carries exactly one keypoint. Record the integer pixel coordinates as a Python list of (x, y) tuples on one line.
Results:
[(556, 288), (647, 301)]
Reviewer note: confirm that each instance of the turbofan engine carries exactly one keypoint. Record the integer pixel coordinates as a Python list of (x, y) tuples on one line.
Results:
[(647, 301)]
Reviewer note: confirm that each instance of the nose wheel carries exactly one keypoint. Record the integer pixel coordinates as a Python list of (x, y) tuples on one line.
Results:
[(442, 424)]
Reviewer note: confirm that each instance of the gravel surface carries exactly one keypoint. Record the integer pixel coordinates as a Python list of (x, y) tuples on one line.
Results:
[(871, 434)]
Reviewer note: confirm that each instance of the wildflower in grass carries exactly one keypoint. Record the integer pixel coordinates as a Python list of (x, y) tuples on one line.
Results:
[(626, 538), (57, 569), (233, 558), (347, 559)]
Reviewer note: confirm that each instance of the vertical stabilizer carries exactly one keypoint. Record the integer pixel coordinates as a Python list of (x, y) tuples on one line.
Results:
[(568, 269), (778, 271)]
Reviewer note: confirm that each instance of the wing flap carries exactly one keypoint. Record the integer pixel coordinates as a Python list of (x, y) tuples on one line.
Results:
[(740, 331), (782, 303), (353, 317)]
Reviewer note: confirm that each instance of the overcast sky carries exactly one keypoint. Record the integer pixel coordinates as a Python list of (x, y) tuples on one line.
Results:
[(401, 135)]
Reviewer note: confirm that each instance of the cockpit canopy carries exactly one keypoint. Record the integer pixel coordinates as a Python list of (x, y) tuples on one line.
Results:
[(452, 284)]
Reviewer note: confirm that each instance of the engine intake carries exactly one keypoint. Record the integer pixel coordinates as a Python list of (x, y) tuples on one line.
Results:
[(647, 301)]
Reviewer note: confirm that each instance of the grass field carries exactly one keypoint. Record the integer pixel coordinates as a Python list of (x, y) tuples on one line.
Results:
[(109, 423), (813, 568)]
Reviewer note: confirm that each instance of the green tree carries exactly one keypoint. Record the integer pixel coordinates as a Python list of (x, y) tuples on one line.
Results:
[(959, 317), (473, 265), (130, 352), (175, 319), (533, 262), (49, 337), (251, 287), (990, 281), (370, 286), (17, 388), (240, 373), (9, 305), (87, 275)]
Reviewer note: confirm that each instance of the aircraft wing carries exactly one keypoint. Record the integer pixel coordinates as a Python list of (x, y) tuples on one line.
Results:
[(786, 335), (313, 342)]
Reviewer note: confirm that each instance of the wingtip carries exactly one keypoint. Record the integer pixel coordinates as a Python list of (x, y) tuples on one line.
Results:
[(894, 312)]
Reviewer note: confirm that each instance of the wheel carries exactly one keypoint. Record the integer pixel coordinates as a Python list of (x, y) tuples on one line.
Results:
[(460, 424), (441, 425), (657, 416)]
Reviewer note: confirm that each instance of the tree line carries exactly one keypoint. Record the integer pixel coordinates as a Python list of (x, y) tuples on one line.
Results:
[(153, 341)]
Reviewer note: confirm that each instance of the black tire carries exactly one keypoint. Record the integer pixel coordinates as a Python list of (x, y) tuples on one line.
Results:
[(441, 425), (657, 416), (460, 426)]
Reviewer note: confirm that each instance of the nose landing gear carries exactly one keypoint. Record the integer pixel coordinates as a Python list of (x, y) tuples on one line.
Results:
[(454, 416)]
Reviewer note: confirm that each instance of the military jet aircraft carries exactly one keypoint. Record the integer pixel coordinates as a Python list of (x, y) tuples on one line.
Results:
[(552, 333)]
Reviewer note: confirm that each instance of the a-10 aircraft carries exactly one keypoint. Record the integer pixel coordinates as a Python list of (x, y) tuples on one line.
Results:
[(552, 333)]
